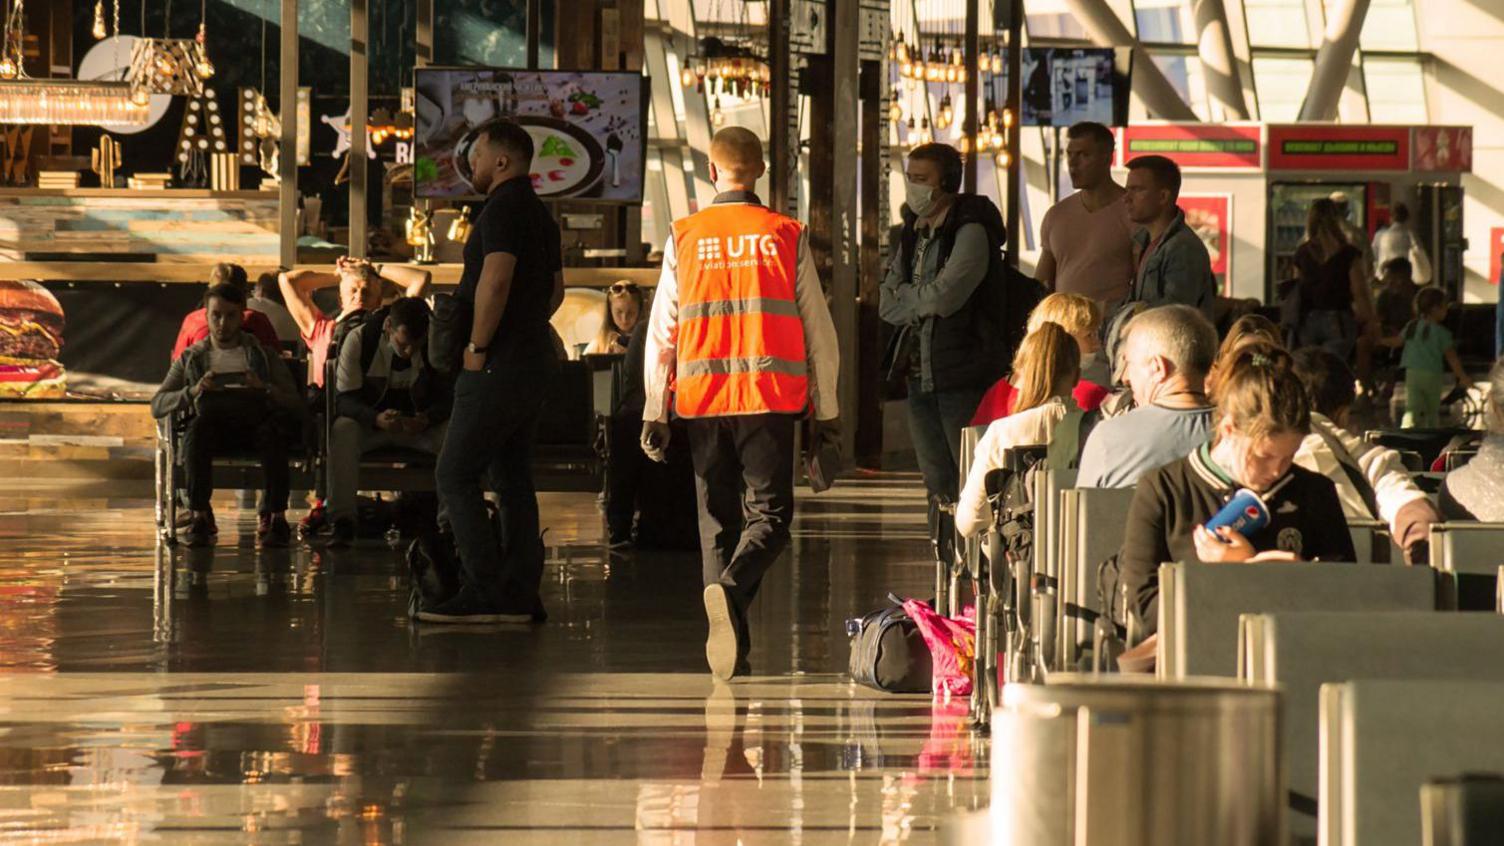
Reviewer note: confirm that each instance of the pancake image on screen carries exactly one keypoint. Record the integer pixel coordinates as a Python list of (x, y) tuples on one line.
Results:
[(31, 336), (565, 159)]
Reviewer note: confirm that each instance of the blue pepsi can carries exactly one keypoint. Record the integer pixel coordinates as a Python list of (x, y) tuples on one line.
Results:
[(1245, 514)]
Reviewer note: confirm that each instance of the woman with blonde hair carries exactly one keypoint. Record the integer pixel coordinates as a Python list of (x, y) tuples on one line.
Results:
[(623, 311), (1335, 297), (1046, 368), (1081, 318)]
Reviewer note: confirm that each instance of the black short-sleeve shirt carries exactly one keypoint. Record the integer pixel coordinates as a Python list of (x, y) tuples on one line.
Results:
[(513, 220)]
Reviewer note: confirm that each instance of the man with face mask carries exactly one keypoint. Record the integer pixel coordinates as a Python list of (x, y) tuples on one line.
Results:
[(741, 335), (1166, 358), (1087, 237), (934, 292), (512, 283), (389, 396)]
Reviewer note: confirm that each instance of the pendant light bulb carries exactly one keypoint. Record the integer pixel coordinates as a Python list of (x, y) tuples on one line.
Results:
[(99, 31)]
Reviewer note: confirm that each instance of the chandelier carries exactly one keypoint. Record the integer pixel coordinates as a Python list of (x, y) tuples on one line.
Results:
[(730, 68), (58, 101), (168, 66)]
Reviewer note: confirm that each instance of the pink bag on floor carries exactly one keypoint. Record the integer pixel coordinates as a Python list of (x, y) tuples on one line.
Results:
[(952, 643)]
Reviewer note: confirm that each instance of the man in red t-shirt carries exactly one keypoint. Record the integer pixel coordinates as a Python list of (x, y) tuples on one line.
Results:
[(195, 326)]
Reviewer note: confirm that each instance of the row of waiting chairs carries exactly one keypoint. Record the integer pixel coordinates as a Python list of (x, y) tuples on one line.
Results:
[(1322, 634), (565, 455)]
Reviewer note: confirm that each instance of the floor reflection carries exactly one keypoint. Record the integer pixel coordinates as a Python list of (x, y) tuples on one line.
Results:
[(231, 695)]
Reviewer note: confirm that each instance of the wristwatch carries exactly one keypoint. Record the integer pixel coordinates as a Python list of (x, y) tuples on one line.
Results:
[(472, 348)]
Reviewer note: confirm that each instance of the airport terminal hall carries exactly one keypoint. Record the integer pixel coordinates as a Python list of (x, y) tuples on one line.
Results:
[(722, 422)]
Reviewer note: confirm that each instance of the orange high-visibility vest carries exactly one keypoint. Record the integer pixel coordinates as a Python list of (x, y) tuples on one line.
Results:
[(740, 344)]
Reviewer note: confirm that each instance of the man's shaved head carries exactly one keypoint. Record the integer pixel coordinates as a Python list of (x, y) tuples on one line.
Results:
[(736, 153)]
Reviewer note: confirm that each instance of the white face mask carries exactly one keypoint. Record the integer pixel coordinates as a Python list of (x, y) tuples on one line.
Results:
[(920, 198)]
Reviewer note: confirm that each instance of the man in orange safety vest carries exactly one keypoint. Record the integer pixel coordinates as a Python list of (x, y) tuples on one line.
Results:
[(741, 336)]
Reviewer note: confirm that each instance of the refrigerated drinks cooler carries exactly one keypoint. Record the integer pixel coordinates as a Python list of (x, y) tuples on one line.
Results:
[(1289, 203)]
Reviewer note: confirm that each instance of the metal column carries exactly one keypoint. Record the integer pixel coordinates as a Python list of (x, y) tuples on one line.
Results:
[(1334, 61), (1218, 65), (1105, 29), (359, 108), (846, 22), (1015, 128), (287, 156), (783, 114), (969, 121)]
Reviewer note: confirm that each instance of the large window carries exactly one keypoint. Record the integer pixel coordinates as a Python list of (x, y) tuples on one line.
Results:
[(1184, 72), (1390, 25), (1277, 23), (1282, 84), (1165, 21), (1396, 90), (1052, 19)]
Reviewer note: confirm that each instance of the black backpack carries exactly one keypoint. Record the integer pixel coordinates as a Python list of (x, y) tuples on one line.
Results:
[(888, 653)]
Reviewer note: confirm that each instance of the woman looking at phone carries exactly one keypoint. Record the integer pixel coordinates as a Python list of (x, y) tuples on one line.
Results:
[(623, 311), (1288, 513)]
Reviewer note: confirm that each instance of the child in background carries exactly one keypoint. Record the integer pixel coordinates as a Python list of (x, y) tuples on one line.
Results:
[(1428, 351)]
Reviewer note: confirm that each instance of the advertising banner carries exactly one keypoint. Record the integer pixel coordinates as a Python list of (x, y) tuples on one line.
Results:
[(1339, 148), (1196, 145), (1210, 217)]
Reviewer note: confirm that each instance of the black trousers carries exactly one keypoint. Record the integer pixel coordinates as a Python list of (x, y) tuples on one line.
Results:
[(625, 464), (227, 428), (489, 445), (744, 478)]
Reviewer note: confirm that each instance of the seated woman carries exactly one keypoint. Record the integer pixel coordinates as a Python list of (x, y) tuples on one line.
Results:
[(624, 309), (1247, 330), (1475, 491), (1047, 365), (1081, 317), (1371, 480), (1262, 418)]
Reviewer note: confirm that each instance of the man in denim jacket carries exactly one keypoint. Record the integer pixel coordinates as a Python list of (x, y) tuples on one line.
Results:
[(1173, 265)]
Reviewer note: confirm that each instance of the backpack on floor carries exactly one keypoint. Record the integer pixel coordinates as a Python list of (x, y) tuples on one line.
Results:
[(887, 651), (433, 567)]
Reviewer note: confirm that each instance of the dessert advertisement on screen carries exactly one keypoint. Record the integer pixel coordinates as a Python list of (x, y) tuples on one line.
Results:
[(587, 129)]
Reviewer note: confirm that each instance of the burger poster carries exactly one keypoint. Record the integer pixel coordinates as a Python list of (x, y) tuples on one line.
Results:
[(31, 339)]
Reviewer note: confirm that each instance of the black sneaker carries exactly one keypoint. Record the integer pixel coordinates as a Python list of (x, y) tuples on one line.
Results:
[(272, 531), (469, 607), (200, 532), (723, 644), (342, 533)]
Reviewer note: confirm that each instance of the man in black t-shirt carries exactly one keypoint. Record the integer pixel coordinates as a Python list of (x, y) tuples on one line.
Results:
[(513, 280)]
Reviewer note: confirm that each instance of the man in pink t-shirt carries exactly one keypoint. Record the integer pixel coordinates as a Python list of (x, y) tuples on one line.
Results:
[(1087, 238)]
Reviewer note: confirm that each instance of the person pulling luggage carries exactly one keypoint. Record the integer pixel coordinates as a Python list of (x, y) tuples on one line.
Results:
[(741, 335)]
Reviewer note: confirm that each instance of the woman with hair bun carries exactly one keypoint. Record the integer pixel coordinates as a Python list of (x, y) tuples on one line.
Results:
[(1263, 414)]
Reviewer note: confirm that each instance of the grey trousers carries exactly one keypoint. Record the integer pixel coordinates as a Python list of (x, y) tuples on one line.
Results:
[(352, 439)]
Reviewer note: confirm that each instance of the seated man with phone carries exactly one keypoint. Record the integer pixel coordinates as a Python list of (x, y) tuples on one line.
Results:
[(389, 395), (238, 393)]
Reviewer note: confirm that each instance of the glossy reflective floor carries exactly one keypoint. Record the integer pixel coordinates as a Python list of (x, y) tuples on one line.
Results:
[(151, 695)]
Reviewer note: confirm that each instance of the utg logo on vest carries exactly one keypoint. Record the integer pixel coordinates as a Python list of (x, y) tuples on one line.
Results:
[(731, 251)]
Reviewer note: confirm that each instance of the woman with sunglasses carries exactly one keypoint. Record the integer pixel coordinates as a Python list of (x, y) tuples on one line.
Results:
[(623, 311)]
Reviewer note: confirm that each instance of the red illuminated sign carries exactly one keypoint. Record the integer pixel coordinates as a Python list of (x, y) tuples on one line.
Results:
[(1331, 148), (1192, 145)]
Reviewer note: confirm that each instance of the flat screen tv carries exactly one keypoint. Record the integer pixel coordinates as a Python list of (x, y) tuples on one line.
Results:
[(588, 129), (1063, 86)]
